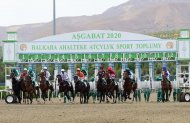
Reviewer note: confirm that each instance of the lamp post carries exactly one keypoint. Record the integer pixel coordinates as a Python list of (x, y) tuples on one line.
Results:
[(54, 19)]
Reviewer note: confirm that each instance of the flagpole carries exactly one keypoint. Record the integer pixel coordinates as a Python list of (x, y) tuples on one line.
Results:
[(54, 19)]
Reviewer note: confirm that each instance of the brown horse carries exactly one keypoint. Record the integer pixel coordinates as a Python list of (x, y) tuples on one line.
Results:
[(23, 89), (83, 89), (45, 87), (101, 86), (128, 86), (65, 87), (29, 89), (166, 89), (112, 89)]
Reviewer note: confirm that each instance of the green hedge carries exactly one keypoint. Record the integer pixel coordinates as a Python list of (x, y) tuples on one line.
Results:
[(2, 87)]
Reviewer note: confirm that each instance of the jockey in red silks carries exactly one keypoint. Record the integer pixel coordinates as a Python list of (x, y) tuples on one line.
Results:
[(102, 71), (80, 74), (24, 74), (110, 74)]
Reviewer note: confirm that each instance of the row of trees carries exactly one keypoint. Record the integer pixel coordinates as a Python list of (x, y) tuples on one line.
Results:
[(174, 34)]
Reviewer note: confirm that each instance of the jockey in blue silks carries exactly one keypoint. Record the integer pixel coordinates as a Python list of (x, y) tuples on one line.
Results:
[(165, 73)]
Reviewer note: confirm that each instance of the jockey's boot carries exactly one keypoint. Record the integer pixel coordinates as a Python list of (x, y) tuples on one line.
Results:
[(33, 84), (85, 83)]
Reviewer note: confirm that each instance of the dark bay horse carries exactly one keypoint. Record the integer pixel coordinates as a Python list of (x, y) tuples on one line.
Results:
[(112, 89), (127, 86), (65, 87), (29, 89), (166, 89), (83, 89), (44, 87), (101, 87), (23, 89), (16, 86)]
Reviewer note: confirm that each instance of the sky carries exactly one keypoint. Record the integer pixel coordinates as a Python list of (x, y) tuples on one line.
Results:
[(17, 12)]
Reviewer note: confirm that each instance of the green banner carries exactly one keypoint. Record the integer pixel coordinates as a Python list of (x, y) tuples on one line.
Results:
[(93, 57)]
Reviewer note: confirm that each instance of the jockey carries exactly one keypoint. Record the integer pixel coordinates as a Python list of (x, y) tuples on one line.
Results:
[(165, 72), (47, 75), (65, 76), (84, 72), (33, 76), (24, 73), (16, 73), (81, 76), (102, 71), (110, 74)]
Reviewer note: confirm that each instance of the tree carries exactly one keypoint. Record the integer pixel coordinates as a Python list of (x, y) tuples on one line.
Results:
[(2, 73)]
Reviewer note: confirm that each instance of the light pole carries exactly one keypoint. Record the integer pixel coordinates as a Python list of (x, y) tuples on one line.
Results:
[(54, 19)]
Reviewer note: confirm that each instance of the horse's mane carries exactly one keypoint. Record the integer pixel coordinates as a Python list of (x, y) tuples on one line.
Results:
[(59, 78), (164, 79)]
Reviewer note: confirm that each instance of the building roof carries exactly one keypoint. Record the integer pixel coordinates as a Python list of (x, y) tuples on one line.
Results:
[(97, 35)]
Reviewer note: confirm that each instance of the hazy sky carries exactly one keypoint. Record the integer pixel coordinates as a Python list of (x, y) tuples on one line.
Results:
[(15, 12)]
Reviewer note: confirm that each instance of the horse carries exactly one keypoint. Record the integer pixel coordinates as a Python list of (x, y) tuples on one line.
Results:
[(65, 87), (44, 87), (101, 87), (112, 90), (16, 86), (23, 89), (127, 86), (82, 88), (29, 89), (134, 89), (166, 89)]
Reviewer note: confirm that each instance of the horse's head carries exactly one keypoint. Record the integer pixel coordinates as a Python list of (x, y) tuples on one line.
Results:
[(42, 77), (12, 75), (100, 75), (76, 79), (125, 75), (28, 78), (164, 78), (59, 77), (41, 74)]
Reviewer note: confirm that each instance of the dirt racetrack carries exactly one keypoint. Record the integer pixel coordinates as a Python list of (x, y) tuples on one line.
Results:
[(128, 112)]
